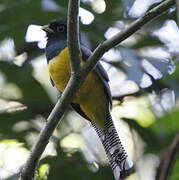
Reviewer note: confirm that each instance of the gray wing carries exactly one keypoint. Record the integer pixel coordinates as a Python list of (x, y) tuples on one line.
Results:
[(100, 72)]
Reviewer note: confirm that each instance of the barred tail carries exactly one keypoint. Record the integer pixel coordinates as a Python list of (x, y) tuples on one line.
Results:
[(118, 159)]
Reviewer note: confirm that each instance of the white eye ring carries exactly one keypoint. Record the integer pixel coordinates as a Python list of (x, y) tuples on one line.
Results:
[(60, 28)]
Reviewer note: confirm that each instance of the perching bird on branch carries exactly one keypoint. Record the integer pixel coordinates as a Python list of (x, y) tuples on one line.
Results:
[(93, 99)]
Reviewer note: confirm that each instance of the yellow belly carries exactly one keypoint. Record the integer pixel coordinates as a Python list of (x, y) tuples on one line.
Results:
[(91, 96)]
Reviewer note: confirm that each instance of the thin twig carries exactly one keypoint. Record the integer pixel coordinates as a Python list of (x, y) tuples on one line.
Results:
[(77, 79), (168, 161)]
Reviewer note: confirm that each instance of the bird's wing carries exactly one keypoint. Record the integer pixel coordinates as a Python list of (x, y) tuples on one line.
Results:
[(78, 109), (102, 75), (100, 72)]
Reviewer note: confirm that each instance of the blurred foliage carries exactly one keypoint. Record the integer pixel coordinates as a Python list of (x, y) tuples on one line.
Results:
[(16, 16), (72, 169), (175, 174)]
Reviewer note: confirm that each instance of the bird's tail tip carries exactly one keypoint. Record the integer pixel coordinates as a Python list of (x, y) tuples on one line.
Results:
[(128, 168)]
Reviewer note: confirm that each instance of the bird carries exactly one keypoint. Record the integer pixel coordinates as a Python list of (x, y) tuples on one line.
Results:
[(93, 100)]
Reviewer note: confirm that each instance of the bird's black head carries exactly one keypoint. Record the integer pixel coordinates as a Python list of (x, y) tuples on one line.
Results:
[(56, 29), (56, 37)]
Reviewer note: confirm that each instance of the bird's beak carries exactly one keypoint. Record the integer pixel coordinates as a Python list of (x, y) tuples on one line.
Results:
[(47, 29)]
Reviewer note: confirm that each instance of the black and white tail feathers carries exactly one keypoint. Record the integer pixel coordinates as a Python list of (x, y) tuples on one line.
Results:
[(118, 159)]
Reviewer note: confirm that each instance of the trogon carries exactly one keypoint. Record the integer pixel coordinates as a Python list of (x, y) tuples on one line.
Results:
[(93, 99)]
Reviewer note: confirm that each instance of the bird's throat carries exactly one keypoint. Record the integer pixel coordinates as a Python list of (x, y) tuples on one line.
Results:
[(54, 47)]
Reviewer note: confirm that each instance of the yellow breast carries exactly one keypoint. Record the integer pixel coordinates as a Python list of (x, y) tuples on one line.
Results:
[(59, 69), (91, 96)]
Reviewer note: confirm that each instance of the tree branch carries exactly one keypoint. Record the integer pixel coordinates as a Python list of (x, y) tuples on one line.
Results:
[(73, 34), (166, 164), (121, 36), (73, 85), (77, 78)]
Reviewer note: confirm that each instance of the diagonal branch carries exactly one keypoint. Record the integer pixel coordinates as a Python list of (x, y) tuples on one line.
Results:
[(121, 36), (78, 77)]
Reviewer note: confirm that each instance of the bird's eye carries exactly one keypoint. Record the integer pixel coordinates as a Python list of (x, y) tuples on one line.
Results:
[(60, 28)]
